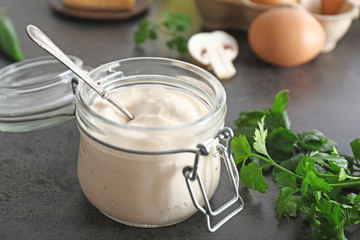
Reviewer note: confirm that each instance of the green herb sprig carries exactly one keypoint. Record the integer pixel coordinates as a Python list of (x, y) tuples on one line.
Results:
[(314, 178), (174, 25)]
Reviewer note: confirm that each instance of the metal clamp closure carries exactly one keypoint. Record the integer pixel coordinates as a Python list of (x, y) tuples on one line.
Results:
[(191, 175)]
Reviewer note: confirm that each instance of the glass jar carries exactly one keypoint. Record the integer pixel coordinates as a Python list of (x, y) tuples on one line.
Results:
[(36, 93), (135, 175)]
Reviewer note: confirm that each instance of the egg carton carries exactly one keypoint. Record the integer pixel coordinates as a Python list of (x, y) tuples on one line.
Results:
[(238, 14)]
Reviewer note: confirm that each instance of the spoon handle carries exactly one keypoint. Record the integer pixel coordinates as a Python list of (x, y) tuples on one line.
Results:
[(44, 42)]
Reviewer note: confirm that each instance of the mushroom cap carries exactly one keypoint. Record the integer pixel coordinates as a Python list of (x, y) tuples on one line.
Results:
[(199, 42)]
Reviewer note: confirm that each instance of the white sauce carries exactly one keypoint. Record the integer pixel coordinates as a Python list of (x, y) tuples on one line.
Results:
[(145, 189), (153, 107)]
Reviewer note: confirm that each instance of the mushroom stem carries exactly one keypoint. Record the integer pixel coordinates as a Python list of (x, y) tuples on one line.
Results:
[(220, 62)]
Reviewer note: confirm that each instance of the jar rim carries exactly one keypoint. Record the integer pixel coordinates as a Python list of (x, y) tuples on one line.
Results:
[(219, 102)]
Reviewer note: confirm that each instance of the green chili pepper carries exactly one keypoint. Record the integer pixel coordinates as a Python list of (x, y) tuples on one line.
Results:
[(9, 41)]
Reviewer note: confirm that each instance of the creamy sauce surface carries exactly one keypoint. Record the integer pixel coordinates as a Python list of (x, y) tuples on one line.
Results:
[(152, 107)]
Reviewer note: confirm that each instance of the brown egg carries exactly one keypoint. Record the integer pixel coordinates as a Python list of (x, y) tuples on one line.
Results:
[(286, 36), (331, 6), (274, 2)]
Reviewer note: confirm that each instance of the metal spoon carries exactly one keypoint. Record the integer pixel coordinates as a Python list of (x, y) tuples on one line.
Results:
[(44, 42)]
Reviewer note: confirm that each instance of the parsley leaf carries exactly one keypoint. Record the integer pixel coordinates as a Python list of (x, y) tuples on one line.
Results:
[(342, 175), (280, 101), (328, 220), (354, 199), (355, 146), (314, 140), (277, 119), (333, 161), (179, 43), (247, 122), (285, 141), (259, 137), (351, 214), (251, 175), (306, 165), (287, 202), (172, 24), (242, 149), (316, 183), (176, 22), (146, 29)]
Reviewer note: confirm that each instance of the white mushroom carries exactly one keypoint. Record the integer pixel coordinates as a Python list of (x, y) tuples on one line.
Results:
[(214, 51)]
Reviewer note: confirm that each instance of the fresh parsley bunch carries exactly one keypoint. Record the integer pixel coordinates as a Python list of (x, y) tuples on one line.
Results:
[(172, 24), (314, 178)]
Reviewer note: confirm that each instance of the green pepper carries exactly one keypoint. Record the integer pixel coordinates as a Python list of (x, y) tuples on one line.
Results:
[(9, 41)]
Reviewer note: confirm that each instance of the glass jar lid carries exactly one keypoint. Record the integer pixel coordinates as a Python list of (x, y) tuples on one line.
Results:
[(36, 93)]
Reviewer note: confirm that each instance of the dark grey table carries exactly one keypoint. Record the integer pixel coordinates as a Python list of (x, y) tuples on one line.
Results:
[(40, 197)]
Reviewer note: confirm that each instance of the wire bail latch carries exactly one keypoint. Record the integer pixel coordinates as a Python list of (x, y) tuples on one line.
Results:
[(191, 175)]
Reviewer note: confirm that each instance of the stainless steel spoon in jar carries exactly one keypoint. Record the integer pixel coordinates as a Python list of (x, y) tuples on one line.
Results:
[(44, 42)]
